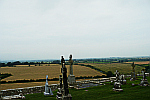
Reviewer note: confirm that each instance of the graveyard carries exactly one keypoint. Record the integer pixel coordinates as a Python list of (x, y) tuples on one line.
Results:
[(119, 86), (75, 50), (102, 93)]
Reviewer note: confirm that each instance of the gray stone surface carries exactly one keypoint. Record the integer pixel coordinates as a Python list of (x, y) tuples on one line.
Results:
[(71, 77), (48, 90), (63, 93)]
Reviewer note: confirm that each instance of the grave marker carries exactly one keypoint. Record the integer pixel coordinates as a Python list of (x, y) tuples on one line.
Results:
[(71, 77), (63, 94), (48, 90), (133, 74), (144, 81)]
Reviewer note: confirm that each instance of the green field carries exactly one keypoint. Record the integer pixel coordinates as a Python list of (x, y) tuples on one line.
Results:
[(122, 68), (103, 93)]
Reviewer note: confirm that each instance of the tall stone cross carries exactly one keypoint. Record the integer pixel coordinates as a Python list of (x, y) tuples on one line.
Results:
[(65, 83), (133, 65), (71, 63)]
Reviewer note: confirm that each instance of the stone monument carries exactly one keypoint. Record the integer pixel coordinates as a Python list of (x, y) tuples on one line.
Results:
[(71, 77), (62, 61), (144, 81), (64, 88), (117, 84), (59, 93), (117, 75), (122, 79), (48, 90), (133, 74)]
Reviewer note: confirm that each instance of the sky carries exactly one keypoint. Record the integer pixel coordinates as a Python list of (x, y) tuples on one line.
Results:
[(48, 29)]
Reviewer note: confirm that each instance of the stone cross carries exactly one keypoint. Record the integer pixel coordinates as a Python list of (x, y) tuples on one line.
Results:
[(133, 65), (117, 75), (71, 63)]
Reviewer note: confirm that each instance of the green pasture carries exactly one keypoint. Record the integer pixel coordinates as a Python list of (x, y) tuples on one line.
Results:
[(122, 68)]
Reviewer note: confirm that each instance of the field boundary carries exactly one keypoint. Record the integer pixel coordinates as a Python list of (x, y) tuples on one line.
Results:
[(53, 79)]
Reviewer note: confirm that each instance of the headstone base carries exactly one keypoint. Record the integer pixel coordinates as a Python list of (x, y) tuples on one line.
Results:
[(71, 79), (133, 76), (59, 96), (123, 82), (68, 97), (117, 85), (114, 89), (71, 87), (144, 82), (46, 94)]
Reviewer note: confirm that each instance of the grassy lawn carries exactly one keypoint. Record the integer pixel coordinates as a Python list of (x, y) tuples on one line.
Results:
[(103, 93)]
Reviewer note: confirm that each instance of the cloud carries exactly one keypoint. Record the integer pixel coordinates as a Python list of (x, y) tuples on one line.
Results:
[(49, 28)]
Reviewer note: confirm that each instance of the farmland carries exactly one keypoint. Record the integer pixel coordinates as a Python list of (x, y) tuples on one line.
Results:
[(122, 68), (21, 72), (139, 62), (40, 72)]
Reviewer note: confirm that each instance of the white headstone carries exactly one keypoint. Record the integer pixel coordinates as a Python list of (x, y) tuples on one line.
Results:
[(48, 90)]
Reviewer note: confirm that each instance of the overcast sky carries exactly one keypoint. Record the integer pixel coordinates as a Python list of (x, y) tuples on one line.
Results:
[(47, 29)]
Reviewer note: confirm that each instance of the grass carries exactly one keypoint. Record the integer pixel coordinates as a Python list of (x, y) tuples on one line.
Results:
[(122, 68), (102, 93)]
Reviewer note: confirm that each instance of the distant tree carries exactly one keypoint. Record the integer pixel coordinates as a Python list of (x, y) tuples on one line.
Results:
[(9, 64), (42, 62), (26, 63), (109, 74), (16, 63)]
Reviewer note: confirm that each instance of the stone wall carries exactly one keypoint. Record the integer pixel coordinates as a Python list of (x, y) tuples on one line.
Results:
[(27, 90)]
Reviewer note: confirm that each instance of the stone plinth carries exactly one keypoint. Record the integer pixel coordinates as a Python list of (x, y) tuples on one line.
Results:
[(144, 82), (59, 94), (117, 89), (71, 79), (49, 92), (117, 86), (133, 76), (123, 82), (68, 97)]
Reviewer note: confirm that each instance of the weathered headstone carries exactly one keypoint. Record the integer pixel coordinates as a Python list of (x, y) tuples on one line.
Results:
[(71, 77), (122, 79), (48, 90), (144, 81), (59, 93), (117, 84), (133, 74)]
